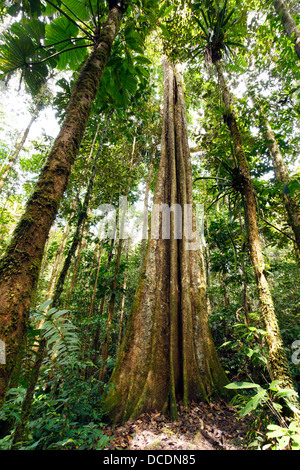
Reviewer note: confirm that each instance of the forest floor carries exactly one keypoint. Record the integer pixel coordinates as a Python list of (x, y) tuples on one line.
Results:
[(203, 426)]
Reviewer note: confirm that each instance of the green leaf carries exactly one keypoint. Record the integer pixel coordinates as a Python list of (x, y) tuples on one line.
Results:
[(286, 392), (284, 442), (253, 403), (276, 433), (44, 305), (61, 34), (141, 59), (241, 385)]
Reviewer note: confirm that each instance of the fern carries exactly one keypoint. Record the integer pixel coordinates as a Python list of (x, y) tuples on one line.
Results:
[(61, 336)]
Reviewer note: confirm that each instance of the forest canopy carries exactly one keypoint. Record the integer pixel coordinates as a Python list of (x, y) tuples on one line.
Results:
[(149, 217)]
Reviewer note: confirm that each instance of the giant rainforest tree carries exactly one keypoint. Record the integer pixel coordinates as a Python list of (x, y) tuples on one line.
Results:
[(168, 352)]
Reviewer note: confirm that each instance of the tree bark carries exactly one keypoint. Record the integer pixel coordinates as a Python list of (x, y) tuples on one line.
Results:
[(279, 368), (167, 352), (288, 22), (19, 269)]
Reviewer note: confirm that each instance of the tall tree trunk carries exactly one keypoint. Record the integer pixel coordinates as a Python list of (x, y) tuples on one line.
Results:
[(101, 309), (288, 22), (146, 207), (11, 160), (81, 218), (167, 351), (282, 176), (19, 269), (276, 354), (28, 399), (123, 303), (110, 312), (111, 304)]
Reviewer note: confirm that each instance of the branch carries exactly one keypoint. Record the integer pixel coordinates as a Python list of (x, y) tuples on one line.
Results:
[(93, 14), (211, 178), (77, 16), (278, 229), (58, 53), (44, 46)]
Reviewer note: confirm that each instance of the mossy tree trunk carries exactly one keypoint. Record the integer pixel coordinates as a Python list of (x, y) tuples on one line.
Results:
[(19, 268), (279, 368), (282, 176), (167, 351), (288, 22)]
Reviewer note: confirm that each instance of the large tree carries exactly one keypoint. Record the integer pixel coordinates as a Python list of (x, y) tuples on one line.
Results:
[(167, 351)]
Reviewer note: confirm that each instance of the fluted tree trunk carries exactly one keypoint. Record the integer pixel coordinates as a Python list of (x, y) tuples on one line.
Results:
[(279, 368), (288, 22), (19, 268), (167, 352)]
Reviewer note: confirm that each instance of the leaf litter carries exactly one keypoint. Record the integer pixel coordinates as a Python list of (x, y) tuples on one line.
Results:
[(201, 426)]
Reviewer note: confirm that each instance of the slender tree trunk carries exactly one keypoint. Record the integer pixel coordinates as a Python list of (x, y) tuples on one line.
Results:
[(167, 351), (60, 252), (110, 312), (111, 304), (276, 354), (226, 298), (282, 176), (99, 257), (123, 304), (100, 313), (11, 160), (146, 207), (81, 218), (288, 22), (19, 269), (27, 402)]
